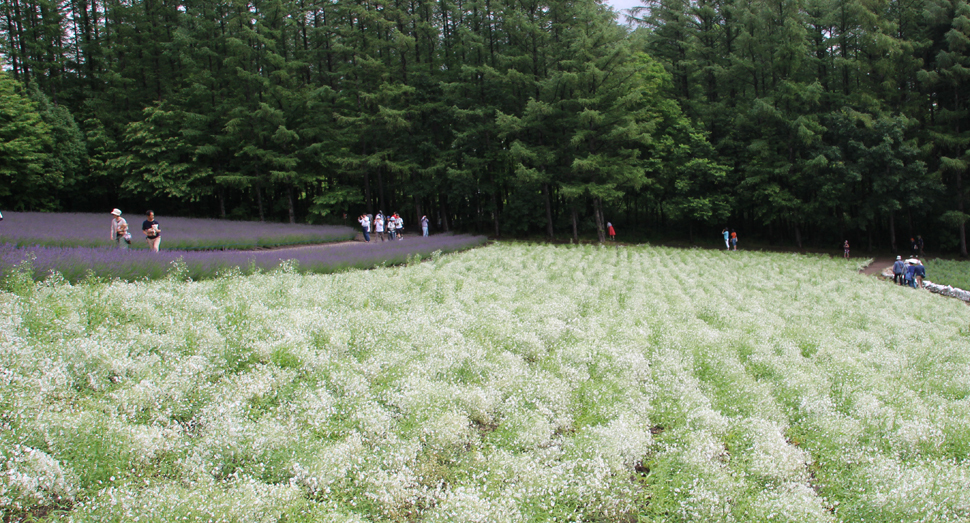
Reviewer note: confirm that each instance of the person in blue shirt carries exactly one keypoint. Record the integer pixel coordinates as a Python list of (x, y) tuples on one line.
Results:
[(911, 274), (727, 238), (920, 273), (899, 270)]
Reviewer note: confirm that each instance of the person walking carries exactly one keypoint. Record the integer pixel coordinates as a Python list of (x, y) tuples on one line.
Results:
[(379, 226), (424, 226), (119, 230), (734, 240), (899, 271), (611, 231), (845, 249), (365, 226), (911, 273), (152, 231), (920, 273), (727, 238), (399, 226)]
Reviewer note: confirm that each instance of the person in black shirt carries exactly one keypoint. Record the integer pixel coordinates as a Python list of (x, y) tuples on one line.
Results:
[(151, 231)]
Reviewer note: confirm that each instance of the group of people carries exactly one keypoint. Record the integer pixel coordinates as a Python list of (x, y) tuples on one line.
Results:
[(916, 246), (910, 272), (122, 237), (392, 225), (730, 239)]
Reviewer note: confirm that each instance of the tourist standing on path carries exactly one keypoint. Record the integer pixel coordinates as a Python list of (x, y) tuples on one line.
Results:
[(119, 230), (379, 226), (727, 238), (399, 226), (611, 231), (424, 226), (845, 249), (734, 240), (365, 226), (913, 247), (899, 270), (151, 230), (920, 273), (911, 273)]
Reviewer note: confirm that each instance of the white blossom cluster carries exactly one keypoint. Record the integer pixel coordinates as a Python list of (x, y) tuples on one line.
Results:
[(510, 383)]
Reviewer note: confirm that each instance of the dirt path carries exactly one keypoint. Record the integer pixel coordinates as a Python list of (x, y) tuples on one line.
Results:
[(878, 264)]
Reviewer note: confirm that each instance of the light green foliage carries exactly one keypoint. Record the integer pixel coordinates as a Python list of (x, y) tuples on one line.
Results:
[(24, 141), (510, 383), (948, 272)]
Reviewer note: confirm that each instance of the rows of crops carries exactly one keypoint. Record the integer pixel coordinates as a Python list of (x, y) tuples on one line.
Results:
[(77, 247), (509, 383)]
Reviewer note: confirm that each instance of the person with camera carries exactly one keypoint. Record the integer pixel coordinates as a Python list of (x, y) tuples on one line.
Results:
[(119, 230), (151, 231)]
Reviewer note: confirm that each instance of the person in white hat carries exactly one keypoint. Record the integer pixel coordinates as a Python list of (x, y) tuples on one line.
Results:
[(899, 270), (119, 230)]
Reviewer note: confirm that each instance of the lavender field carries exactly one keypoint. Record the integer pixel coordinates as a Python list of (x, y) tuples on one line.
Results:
[(31, 229), (77, 263)]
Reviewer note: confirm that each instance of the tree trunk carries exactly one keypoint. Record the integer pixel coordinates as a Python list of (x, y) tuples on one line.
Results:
[(418, 211), (963, 225), (545, 196), (798, 236), (222, 203), (598, 216), (892, 231), (575, 214), (259, 204), (444, 212), (382, 203), (289, 203), (498, 230)]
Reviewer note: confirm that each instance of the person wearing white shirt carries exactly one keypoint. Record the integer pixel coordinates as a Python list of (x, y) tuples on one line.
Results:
[(379, 226), (119, 230), (365, 226)]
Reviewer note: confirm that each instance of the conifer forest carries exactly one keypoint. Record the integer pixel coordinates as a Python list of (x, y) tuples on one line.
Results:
[(799, 122)]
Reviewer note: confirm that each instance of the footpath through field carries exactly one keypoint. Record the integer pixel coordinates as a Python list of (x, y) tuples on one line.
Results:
[(878, 264)]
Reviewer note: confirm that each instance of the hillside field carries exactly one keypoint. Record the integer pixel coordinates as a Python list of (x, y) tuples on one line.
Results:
[(509, 383)]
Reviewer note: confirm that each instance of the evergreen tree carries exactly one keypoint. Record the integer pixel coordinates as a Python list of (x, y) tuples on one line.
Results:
[(25, 184)]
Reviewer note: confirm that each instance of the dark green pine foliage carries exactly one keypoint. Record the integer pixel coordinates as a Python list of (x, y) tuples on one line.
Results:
[(946, 78), (606, 98)]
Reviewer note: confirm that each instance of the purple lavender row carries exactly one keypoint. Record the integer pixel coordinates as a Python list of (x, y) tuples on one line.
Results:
[(92, 230), (76, 262)]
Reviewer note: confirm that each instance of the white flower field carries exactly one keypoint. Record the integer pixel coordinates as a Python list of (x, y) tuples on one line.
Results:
[(509, 383)]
